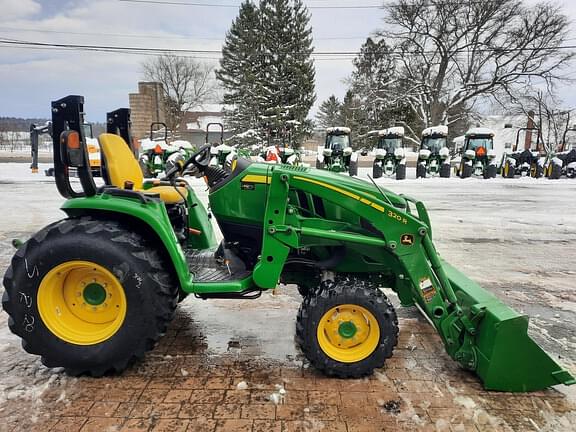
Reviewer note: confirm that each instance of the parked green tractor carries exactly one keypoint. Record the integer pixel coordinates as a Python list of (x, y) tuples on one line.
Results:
[(93, 292), (157, 150), (434, 156), (390, 154), (478, 157), (337, 154)]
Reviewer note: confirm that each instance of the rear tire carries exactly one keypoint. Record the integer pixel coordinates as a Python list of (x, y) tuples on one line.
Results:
[(420, 170), (353, 169), (465, 170), (319, 165), (401, 172), (556, 172), (445, 170), (490, 171), (376, 171), (508, 171), (52, 310), (373, 321)]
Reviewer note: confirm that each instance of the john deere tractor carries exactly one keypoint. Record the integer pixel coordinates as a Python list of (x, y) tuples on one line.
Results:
[(434, 156), (94, 291), (478, 157), (337, 154), (389, 154), (158, 149)]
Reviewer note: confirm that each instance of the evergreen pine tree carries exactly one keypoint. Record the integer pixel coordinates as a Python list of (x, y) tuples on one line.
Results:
[(329, 112), (266, 66), (241, 69)]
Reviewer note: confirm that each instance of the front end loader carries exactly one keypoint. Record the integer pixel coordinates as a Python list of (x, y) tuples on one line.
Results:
[(478, 157), (93, 292), (434, 155), (390, 154)]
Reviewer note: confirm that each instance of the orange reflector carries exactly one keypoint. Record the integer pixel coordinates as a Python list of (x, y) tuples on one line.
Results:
[(158, 149), (480, 151), (73, 140), (194, 231)]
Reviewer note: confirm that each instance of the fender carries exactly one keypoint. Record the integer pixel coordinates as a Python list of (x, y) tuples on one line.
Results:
[(152, 215)]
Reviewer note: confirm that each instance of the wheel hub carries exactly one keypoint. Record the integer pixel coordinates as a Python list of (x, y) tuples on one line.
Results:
[(347, 329), (348, 333), (94, 294)]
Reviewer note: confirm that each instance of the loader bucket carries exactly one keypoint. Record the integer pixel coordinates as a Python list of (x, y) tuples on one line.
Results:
[(507, 359)]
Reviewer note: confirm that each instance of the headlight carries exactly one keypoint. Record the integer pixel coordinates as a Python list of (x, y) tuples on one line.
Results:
[(327, 152), (347, 151), (424, 154), (380, 153), (470, 154), (399, 153)]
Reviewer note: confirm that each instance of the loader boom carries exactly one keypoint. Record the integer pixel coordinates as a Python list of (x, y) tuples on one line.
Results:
[(478, 330)]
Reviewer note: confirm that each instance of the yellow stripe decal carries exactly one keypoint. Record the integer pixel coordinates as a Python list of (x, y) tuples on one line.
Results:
[(251, 178), (343, 192)]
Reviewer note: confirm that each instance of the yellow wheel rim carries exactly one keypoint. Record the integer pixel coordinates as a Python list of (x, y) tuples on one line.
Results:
[(348, 333), (81, 302)]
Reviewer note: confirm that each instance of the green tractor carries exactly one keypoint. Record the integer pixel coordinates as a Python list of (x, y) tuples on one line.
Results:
[(390, 154), (94, 291), (434, 155), (337, 154), (156, 151), (478, 157)]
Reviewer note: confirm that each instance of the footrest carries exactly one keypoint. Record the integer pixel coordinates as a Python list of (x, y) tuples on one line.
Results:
[(207, 268)]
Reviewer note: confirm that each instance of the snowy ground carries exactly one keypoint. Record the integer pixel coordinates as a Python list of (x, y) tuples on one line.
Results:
[(515, 237)]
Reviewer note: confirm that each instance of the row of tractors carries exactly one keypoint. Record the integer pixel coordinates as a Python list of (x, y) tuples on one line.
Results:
[(472, 155)]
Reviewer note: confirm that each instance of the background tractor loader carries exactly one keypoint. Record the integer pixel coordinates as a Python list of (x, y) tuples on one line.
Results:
[(337, 154), (478, 157), (390, 154), (434, 155), (95, 291), (529, 161)]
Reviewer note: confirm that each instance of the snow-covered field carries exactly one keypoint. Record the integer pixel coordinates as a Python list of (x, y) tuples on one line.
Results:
[(515, 237)]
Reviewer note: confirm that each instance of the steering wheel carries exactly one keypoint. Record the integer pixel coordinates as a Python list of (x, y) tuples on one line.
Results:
[(201, 159)]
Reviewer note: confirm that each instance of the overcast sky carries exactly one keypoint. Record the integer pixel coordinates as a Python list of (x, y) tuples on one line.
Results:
[(31, 78)]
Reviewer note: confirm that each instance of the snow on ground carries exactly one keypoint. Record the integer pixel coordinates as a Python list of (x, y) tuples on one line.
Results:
[(515, 237)]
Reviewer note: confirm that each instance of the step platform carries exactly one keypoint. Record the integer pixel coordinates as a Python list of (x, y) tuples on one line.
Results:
[(207, 266)]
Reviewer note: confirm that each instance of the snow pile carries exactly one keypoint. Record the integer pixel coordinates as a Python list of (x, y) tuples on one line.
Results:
[(278, 397)]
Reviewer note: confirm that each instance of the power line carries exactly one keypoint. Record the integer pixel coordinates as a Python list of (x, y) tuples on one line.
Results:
[(236, 6), (15, 42), (148, 36)]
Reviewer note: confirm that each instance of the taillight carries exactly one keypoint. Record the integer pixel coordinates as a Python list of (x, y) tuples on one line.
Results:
[(70, 148)]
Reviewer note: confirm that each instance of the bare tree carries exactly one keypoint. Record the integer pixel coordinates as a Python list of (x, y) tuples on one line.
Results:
[(188, 84), (451, 53), (548, 115)]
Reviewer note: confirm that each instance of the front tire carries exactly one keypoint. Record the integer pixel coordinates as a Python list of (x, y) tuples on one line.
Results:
[(376, 171), (401, 172), (353, 169), (347, 328), (88, 295), (420, 170)]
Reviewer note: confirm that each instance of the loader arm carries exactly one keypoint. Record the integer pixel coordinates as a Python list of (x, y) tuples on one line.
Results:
[(478, 331)]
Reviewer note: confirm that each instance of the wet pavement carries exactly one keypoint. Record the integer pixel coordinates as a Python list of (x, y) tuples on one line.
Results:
[(228, 365)]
